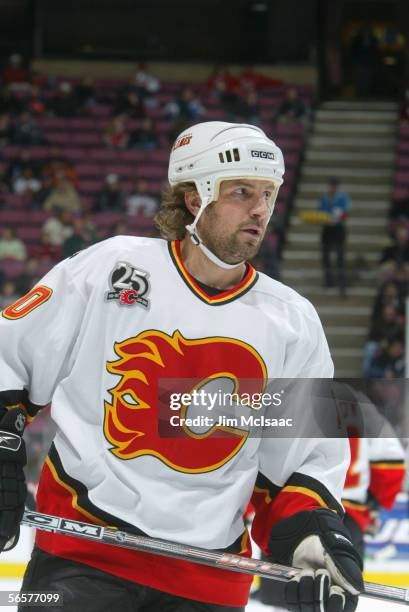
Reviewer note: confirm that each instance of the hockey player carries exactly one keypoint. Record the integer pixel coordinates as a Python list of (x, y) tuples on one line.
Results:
[(97, 334), (375, 475)]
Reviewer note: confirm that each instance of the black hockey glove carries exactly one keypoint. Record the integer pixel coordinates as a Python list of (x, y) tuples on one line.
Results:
[(12, 480), (317, 542)]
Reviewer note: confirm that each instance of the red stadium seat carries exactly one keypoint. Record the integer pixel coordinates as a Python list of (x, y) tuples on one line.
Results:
[(84, 169), (89, 186), (402, 178), (87, 139), (29, 233), (15, 200), (83, 123), (13, 217), (12, 268)]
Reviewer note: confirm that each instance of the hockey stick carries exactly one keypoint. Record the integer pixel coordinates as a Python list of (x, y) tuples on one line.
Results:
[(228, 561)]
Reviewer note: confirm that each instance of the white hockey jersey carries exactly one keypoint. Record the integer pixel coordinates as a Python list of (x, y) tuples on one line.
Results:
[(94, 337), (377, 467)]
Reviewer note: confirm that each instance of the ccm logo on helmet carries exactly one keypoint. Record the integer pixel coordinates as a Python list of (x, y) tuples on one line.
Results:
[(263, 154)]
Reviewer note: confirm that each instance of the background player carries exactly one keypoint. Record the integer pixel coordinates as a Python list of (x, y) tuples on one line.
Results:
[(375, 475)]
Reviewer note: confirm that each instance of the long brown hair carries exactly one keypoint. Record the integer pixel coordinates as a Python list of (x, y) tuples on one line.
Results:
[(173, 215)]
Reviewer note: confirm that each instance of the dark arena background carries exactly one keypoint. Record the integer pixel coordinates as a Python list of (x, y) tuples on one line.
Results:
[(93, 94)]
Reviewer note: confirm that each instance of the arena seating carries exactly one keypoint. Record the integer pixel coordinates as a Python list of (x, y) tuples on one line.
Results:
[(80, 141)]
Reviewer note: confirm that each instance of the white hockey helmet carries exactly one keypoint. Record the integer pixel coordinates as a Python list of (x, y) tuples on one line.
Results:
[(211, 152)]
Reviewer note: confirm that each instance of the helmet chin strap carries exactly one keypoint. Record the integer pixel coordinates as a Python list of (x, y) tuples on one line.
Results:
[(195, 238)]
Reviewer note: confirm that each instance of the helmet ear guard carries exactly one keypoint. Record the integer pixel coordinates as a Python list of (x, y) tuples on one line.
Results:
[(211, 152)]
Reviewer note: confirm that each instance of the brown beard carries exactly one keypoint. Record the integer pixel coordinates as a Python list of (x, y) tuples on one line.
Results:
[(230, 249)]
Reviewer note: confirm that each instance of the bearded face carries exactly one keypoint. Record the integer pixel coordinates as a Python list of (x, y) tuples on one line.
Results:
[(233, 227)]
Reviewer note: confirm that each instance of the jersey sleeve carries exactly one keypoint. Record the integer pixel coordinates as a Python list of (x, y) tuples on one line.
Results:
[(387, 469), (39, 332), (307, 354), (300, 473), (303, 472), (297, 474), (385, 455)]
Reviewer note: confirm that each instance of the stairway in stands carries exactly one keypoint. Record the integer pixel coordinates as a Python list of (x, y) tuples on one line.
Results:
[(354, 141)]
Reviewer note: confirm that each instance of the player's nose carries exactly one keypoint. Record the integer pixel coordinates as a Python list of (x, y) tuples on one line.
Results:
[(260, 206)]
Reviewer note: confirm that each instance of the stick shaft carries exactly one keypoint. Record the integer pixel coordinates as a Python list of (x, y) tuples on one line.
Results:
[(228, 561)]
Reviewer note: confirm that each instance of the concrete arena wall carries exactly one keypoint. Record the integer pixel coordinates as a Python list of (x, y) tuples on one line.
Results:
[(298, 75)]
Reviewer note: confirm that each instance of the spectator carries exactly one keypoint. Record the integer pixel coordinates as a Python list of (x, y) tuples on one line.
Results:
[(90, 228), (177, 127), (388, 295), (230, 100), (129, 86), (401, 278), (8, 293), (249, 79), (390, 362), (147, 84), (57, 166), (26, 131), (44, 251), (404, 108), (58, 227), (221, 80), (115, 134), (120, 229), (139, 200), (130, 104), (18, 165), (187, 106), (387, 326), (10, 103), (39, 79), (15, 76), (64, 103), (6, 129), (190, 106), (247, 108), (63, 196), (399, 209), (29, 277), (26, 183), (337, 205), (11, 247), (80, 238), (111, 197), (292, 109), (35, 104), (47, 185), (85, 94), (365, 60), (144, 137), (394, 256)]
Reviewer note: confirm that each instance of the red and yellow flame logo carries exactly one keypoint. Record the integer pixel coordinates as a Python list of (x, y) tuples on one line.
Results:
[(131, 418)]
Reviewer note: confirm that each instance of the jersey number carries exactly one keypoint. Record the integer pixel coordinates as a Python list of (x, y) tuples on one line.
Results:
[(29, 302)]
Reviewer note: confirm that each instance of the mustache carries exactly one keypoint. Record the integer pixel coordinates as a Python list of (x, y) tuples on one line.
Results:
[(252, 224)]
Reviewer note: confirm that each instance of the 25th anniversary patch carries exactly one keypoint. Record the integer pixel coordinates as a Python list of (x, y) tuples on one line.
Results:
[(128, 285)]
